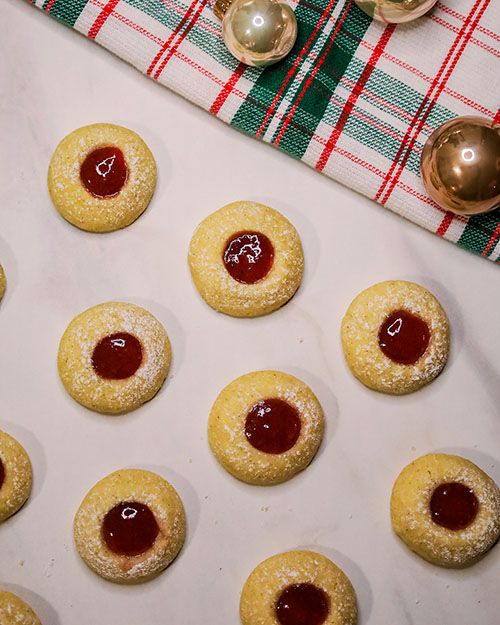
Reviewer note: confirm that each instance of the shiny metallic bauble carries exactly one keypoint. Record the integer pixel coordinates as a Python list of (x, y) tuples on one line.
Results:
[(461, 165), (395, 11), (259, 32)]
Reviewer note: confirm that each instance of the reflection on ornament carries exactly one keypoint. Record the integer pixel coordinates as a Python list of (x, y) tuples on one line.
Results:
[(257, 32), (461, 165), (395, 11)]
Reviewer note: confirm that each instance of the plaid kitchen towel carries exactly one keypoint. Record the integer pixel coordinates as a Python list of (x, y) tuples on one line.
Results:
[(355, 99)]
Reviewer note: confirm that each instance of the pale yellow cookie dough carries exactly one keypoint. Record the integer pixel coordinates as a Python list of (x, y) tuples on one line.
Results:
[(15, 611), (412, 520), (2, 282), (360, 328), (226, 427), (80, 207), (79, 341), (130, 485), (218, 288), (18, 476), (267, 581)]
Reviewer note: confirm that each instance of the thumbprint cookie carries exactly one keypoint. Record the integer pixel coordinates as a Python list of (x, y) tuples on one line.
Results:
[(246, 259), (298, 588), (265, 427), (2, 282), (101, 177), (446, 509), (114, 357), (130, 526), (15, 611), (16, 476), (395, 337)]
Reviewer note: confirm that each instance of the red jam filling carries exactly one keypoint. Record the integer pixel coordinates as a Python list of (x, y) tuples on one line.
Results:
[(130, 529), (117, 356), (104, 172), (2, 473), (403, 337), (248, 256), (272, 426), (453, 505), (302, 604)]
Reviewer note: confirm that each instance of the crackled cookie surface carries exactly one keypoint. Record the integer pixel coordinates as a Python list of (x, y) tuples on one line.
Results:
[(15, 611), (395, 337), (114, 357), (2, 282), (130, 526), (265, 427), (15, 476), (246, 259), (298, 588), (101, 177), (446, 509)]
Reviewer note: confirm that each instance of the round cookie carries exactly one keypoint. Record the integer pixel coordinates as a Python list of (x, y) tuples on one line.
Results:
[(298, 588), (265, 427), (395, 336), (16, 476), (114, 357), (446, 509), (101, 177), (2, 282), (15, 611), (130, 526), (246, 259)]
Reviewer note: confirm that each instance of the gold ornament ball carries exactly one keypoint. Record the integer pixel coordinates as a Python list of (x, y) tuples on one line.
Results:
[(461, 165), (259, 32), (395, 11)]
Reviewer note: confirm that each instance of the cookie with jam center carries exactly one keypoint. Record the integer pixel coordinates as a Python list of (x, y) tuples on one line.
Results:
[(3, 282), (446, 509), (15, 611), (265, 427), (298, 588), (16, 476), (395, 336), (101, 177), (114, 357), (130, 526), (246, 259)]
